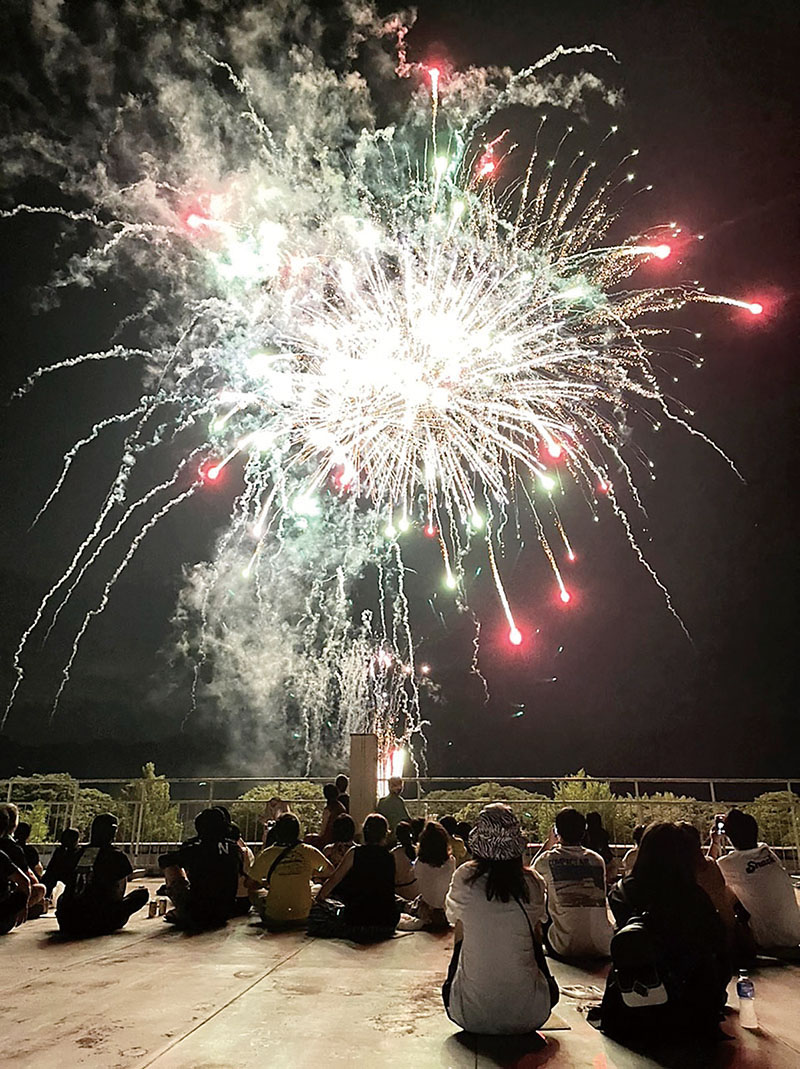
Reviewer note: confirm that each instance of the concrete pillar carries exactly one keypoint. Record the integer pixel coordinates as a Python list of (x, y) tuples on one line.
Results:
[(363, 776)]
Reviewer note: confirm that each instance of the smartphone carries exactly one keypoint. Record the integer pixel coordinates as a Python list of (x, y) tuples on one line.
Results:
[(719, 825)]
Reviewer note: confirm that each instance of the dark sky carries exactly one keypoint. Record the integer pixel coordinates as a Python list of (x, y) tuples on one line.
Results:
[(710, 93)]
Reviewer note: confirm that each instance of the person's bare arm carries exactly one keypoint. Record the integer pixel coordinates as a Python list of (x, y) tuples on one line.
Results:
[(715, 849), (338, 875)]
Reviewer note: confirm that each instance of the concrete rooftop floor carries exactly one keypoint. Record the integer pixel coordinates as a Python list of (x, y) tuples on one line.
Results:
[(241, 997)]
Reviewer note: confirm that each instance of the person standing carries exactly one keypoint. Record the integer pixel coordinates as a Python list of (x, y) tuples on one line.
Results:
[(392, 805), (343, 786)]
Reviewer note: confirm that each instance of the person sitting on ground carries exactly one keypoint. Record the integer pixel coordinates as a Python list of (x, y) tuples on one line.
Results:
[(365, 883), (9, 818), (758, 880), (202, 875), (343, 786), (22, 835), (94, 900), (670, 966), (417, 825), (597, 839), (15, 889), (741, 948), (458, 848), (629, 859), (434, 870), (285, 871), (578, 925), (392, 806), (333, 809), (464, 828), (405, 854), (241, 906), (497, 983), (62, 861), (344, 839)]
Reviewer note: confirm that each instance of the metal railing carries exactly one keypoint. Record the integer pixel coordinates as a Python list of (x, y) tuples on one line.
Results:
[(629, 801)]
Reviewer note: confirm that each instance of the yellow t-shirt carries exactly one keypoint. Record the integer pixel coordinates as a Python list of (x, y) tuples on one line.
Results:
[(289, 891)]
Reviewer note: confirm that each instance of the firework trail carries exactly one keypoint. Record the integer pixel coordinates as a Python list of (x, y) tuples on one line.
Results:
[(377, 328)]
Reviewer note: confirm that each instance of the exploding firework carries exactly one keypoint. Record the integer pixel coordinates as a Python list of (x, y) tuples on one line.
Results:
[(379, 329)]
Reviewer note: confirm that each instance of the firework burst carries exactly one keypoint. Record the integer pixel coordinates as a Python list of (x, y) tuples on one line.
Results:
[(386, 330)]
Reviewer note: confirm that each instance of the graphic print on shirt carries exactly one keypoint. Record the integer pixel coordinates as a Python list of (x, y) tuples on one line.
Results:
[(84, 873), (577, 882)]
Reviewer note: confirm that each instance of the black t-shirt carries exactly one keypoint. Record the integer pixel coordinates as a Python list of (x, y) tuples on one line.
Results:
[(368, 889), (213, 869), (94, 876), (60, 866), (31, 854), (14, 852)]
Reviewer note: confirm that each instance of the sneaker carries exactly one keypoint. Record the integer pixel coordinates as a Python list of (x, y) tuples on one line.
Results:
[(410, 924)]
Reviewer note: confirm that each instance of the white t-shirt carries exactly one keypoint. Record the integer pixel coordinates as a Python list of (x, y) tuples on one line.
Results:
[(405, 882), (498, 988), (629, 860), (433, 882), (576, 901), (765, 890)]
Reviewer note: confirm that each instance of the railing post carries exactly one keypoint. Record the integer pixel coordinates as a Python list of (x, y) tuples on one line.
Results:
[(713, 792), (210, 794), (140, 821), (793, 811), (638, 802), (73, 813)]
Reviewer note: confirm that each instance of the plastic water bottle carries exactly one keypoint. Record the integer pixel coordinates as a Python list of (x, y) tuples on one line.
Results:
[(745, 989)]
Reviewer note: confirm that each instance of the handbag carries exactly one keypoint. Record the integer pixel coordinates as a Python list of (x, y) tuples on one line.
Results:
[(541, 961)]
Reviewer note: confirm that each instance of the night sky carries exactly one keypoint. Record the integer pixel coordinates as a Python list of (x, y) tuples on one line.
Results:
[(610, 683)]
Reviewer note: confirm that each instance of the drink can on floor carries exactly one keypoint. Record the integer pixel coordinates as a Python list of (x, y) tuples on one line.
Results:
[(152, 907), (162, 906)]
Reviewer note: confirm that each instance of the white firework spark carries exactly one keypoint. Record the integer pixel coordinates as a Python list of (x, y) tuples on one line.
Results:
[(383, 327)]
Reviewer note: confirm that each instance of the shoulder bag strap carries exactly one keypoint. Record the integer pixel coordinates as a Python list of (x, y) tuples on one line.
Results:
[(541, 961), (284, 853)]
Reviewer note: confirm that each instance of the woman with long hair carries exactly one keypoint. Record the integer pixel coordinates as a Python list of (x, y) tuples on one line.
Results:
[(433, 871), (343, 832), (498, 982), (672, 928), (405, 854)]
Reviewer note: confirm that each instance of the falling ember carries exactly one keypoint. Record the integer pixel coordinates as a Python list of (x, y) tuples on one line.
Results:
[(515, 637), (565, 596)]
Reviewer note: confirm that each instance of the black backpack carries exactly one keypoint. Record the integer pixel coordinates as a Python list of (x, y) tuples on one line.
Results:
[(638, 965)]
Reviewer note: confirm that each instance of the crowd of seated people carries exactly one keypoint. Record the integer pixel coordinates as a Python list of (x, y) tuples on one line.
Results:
[(675, 925)]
